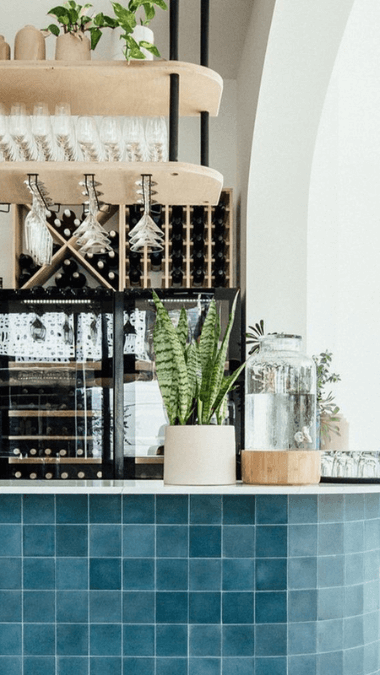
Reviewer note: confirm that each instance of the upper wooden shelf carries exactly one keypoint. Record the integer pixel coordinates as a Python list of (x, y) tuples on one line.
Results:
[(111, 87)]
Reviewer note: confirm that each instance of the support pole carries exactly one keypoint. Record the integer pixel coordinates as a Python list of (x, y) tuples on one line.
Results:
[(174, 117), (174, 30), (205, 32), (118, 385)]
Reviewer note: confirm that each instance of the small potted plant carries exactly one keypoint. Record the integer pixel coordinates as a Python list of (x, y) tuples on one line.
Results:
[(137, 36), (199, 448), (328, 412)]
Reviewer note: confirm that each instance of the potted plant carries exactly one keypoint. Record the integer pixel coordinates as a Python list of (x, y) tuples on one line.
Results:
[(199, 448), (330, 419), (137, 36), (74, 20)]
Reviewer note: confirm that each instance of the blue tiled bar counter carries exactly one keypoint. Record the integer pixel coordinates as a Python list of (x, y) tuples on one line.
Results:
[(120, 581)]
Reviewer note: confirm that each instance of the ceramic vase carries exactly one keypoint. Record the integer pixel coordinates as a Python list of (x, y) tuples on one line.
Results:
[(73, 47), (5, 50), (29, 44)]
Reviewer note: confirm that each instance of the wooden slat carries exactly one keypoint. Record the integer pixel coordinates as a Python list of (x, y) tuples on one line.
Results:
[(55, 460)]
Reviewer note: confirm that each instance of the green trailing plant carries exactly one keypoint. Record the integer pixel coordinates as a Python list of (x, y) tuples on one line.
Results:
[(254, 336), (327, 408), (73, 18), (191, 375), (127, 20)]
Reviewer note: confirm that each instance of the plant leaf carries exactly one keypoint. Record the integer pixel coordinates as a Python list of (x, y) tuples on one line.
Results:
[(182, 329), (149, 47), (96, 34), (54, 29), (164, 367), (207, 348)]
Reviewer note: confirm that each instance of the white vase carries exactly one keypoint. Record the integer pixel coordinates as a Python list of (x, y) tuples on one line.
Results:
[(143, 33), (139, 33), (200, 455)]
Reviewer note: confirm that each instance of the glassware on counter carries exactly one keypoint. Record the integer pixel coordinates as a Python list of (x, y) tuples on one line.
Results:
[(64, 132), (110, 136), (20, 130), (43, 133)]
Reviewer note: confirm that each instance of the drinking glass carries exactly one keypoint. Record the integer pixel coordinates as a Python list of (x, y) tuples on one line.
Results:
[(146, 232), (110, 136), (156, 137), (64, 132), (7, 145), (88, 139), (38, 240), (19, 127), (134, 139), (43, 133)]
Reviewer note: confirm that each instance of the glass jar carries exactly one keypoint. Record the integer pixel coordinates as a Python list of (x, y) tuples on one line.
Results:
[(280, 396)]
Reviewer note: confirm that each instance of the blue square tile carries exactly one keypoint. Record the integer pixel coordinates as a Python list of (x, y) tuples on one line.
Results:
[(371, 596), (39, 573), (67, 665), (371, 565), (371, 658), (136, 666), (39, 606), (330, 539), (171, 574), (299, 665), (105, 607), (238, 510), (10, 606), (105, 574), (10, 573), (271, 574), (138, 640), (238, 574), (39, 665), (303, 605), (237, 607), (353, 661), (71, 540), (238, 541), (138, 607), (353, 600), (10, 665), (10, 540), (238, 666), (105, 541), (39, 540), (354, 568), (331, 508), (353, 632), (105, 665), (303, 508), (371, 505), (38, 509), (171, 640), (330, 571), (275, 665), (171, 607), (206, 509), (10, 508), (205, 640), (271, 639), (372, 534), (105, 509), (204, 666), (353, 536), (330, 663), (329, 635), (270, 607), (138, 541), (71, 509), (72, 573), (238, 640), (331, 602), (72, 639), (171, 666), (204, 607), (105, 639), (138, 509), (271, 541), (205, 541), (205, 574), (353, 507), (271, 509), (138, 574), (302, 572), (302, 637), (72, 606), (10, 639), (172, 509), (371, 626), (303, 540), (172, 541), (39, 639)]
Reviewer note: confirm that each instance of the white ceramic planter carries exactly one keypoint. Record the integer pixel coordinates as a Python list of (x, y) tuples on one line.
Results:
[(200, 455), (139, 33)]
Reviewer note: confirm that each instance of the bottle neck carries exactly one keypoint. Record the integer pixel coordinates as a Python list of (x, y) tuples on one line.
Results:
[(281, 342)]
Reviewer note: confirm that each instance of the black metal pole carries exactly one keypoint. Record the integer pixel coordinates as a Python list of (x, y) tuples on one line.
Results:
[(205, 31), (174, 30), (118, 385), (205, 138), (174, 117)]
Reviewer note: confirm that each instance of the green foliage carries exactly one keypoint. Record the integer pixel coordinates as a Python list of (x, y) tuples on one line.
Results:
[(325, 401), (74, 19), (126, 19), (257, 331), (191, 375)]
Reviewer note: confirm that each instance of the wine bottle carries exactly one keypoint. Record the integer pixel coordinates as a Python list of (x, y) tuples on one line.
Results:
[(198, 276), (56, 248), (134, 258), (177, 258), (114, 237), (69, 220), (219, 214), (62, 280), (33, 269), (177, 276), (113, 279), (70, 266), (156, 260), (220, 277), (219, 244), (112, 259), (177, 241), (78, 280), (198, 242), (24, 277), (102, 266), (134, 276), (198, 258), (177, 216), (219, 260), (25, 261)]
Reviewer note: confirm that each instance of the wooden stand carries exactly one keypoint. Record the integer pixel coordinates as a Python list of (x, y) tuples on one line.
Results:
[(281, 467)]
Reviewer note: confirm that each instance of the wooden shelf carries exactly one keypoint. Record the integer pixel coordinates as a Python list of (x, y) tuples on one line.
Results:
[(111, 87), (55, 460)]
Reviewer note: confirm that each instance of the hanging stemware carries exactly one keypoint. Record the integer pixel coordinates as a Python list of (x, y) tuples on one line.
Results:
[(92, 236), (146, 232), (38, 240)]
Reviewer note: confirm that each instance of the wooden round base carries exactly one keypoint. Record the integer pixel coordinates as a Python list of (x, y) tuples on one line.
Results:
[(281, 467)]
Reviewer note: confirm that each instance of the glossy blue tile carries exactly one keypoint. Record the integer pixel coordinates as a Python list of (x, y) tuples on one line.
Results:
[(38, 540), (353, 536), (171, 574), (302, 605), (39, 606), (105, 509), (372, 534), (353, 631), (330, 539), (10, 606), (238, 640), (172, 509), (302, 637), (331, 571), (331, 602), (271, 541), (39, 573), (238, 509), (72, 606), (239, 574), (138, 666), (10, 573), (331, 508), (330, 663), (38, 509), (10, 639), (206, 509), (39, 639), (205, 541), (371, 626), (138, 541), (67, 665), (171, 666), (271, 640), (329, 635), (371, 565), (72, 540), (300, 665), (205, 574), (105, 639), (302, 573), (71, 509), (353, 661), (354, 600), (270, 607), (372, 505), (10, 665), (138, 607), (105, 574), (204, 666), (171, 607), (105, 541), (371, 658), (271, 509), (138, 509), (354, 568), (138, 574), (237, 607), (303, 540), (353, 507), (39, 665), (10, 508), (303, 509), (72, 639), (102, 665), (172, 541), (271, 574), (275, 665), (138, 640), (72, 573), (171, 640), (10, 540), (205, 640), (371, 596), (238, 541), (105, 607), (204, 607)]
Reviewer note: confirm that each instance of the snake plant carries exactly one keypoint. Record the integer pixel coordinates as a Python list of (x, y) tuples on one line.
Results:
[(191, 375)]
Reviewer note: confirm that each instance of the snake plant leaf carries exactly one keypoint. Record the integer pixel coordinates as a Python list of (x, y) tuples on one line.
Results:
[(193, 371), (182, 328), (225, 388), (207, 348), (164, 367)]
